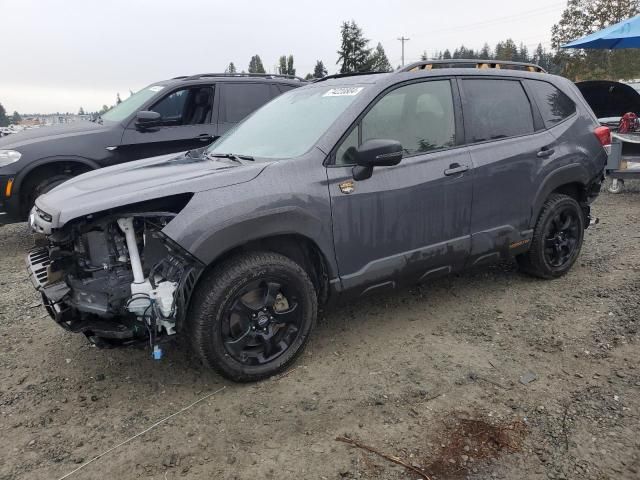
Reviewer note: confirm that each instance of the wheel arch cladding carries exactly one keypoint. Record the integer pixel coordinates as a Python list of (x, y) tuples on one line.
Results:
[(285, 229), (570, 180), (45, 164), (298, 248)]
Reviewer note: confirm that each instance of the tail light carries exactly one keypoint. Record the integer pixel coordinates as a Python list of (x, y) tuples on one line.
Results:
[(603, 134)]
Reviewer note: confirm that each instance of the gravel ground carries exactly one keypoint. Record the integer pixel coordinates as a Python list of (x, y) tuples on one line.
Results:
[(488, 374)]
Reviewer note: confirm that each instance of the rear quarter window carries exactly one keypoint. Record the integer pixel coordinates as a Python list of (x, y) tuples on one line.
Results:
[(554, 105), (496, 109)]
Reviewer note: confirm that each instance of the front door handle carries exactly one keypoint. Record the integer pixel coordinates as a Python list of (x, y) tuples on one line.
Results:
[(203, 137), (545, 152), (455, 168)]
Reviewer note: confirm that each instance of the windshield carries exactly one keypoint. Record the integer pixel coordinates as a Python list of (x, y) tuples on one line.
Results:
[(289, 125), (131, 104)]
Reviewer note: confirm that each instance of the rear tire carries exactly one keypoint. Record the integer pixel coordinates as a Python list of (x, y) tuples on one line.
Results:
[(557, 239), (252, 316)]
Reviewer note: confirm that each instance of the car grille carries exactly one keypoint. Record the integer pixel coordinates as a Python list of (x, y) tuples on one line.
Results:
[(37, 263)]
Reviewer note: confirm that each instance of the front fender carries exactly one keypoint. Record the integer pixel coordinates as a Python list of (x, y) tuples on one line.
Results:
[(211, 224)]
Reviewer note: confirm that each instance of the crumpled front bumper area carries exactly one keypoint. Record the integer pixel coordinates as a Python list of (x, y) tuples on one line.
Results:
[(101, 332)]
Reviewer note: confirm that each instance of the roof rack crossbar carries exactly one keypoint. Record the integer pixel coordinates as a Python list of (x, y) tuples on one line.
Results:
[(472, 63), (340, 75), (256, 75)]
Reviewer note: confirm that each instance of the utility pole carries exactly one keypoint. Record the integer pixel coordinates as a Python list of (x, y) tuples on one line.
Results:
[(403, 39)]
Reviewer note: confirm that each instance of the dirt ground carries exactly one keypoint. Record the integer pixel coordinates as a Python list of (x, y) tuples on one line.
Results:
[(488, 374)]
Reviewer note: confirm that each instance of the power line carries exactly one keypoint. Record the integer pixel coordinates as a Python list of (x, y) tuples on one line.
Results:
[(526, 14), (403, 39)]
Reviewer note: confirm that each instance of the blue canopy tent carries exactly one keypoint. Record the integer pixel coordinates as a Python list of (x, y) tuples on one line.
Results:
[(625, 34), (624, 147)]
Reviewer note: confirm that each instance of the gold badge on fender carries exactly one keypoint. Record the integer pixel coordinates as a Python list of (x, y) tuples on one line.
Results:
[(347, 187)]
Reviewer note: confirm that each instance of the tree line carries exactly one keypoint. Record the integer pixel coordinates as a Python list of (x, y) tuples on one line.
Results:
[(579, 18)]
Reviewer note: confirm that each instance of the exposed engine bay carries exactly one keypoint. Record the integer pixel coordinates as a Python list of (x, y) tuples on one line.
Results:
[(118, 279)]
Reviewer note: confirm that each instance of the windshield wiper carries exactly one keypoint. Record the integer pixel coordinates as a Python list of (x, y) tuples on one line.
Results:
[(230, 156)]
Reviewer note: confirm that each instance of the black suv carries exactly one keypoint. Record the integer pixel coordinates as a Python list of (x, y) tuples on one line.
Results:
[(351, 185), (176, 115)]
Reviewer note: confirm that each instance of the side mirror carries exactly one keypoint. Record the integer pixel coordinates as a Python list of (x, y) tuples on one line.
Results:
[(147, 119), (376, 153)]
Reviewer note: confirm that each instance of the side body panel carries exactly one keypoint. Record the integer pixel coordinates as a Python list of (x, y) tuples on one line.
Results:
[(507, 173), (288, 197), (404, 224)]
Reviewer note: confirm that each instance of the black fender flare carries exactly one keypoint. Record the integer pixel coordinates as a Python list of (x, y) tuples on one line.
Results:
[(262, 225), (24, 173), (567, 174)]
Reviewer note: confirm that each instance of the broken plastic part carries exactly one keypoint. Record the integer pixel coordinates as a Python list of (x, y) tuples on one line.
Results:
[(157, 352)]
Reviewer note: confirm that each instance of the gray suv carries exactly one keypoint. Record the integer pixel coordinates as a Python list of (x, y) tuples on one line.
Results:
[(352, 185)]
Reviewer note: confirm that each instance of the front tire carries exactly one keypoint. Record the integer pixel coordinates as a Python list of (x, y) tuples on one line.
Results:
[(557, 239), (42, 187), (252, 316)]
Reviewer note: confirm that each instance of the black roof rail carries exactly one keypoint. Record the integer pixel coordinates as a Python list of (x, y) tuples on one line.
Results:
[(472, 63), (256, 75), (349, 74)]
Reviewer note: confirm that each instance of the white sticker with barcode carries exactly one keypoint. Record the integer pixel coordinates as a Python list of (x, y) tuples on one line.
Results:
[(343, 92)]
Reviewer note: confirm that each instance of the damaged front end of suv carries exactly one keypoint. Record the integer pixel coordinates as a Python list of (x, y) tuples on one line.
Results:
[(115, 276)]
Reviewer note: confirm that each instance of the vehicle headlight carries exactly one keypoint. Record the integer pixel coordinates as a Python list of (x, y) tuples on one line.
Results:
[(9, 156)]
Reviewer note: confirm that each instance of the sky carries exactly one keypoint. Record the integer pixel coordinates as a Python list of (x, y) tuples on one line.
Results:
[(60, 55)]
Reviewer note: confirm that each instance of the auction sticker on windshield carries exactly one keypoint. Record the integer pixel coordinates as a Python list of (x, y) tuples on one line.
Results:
[(156, 88), (343, 92)]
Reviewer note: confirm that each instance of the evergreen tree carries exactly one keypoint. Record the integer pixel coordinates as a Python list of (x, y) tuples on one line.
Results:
[(282, 65), (506, 50), (231, 68), (309, 76), (353, 54), (523, 53), (290, 69), (118, 99), (16, 118), (424, 57), (4, 120), (485, 52), (81, 111), (583, 17), (446, 55), (378, 62), (255, 65), (319, 71)]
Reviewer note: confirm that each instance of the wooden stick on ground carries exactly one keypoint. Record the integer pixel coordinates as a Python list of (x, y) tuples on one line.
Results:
[(391, 458)]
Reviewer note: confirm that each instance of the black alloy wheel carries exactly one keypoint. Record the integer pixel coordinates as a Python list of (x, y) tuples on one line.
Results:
[(557, 238), (252, 315), (262, 321), (562, 237)]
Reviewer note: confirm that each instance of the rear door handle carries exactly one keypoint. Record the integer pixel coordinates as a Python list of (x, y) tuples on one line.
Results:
[(455, 168), (203, 137), (545, 152)]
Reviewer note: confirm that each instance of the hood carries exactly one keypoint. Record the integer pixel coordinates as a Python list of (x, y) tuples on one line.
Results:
[(610, 99), (43, 134), (143, 180)]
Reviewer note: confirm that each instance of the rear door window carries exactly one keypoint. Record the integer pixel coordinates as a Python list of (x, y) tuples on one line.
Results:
[(240, 99), (495, 109), (553, 104)]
